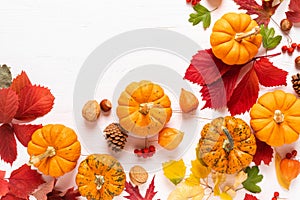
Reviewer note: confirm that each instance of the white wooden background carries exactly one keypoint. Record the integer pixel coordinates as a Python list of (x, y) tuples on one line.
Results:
[(50, 40)]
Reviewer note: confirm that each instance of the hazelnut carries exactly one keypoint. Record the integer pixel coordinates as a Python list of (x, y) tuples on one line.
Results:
[(138, 175), (105, 105), (91, 110), (297, 61), (286, 25)]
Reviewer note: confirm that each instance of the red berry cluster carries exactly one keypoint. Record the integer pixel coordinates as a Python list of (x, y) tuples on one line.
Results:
[(276, 195), (291, 154), (290, 49), (145, 152), (193, 2)]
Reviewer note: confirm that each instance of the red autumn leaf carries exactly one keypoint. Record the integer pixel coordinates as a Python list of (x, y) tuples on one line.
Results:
[(71, 194), (294, 11), (245, 94), (20, 82), (269, 75), (264, 152), (3, 184), (134, 192), (205, 68), (34, 102), (10, 196), (44, 189), (8, 105), (23, 181), (24, 132), (263, 12), (8, 145), (250, 197), (218, 93)]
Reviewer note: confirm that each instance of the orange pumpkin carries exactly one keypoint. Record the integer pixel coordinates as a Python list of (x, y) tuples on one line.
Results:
[(54, 149), (144, 108), (227, 145), (275, 118), (235, 38), (100, 177)]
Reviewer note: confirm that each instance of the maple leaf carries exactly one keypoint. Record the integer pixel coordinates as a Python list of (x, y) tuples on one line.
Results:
[(250, 197), (34, 101), (24, 132), (44, 189), (8, 105), (205, 68), (264, 152), (23, 181), (134, 192), (269, 75), (253, 178), (8, 145), (10, 196), (294, 11), (263, 12), (20, 82), (202, 15), (5, 76), (3, 184), (245, 94)]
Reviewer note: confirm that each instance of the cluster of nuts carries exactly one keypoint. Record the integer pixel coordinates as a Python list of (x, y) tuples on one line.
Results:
[(92, 109)]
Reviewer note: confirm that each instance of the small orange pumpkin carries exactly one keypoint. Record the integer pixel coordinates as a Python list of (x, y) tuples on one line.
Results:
[(100, 176), (275, 118), (54, 149), (235, 38), (144, 108), (227, 145)]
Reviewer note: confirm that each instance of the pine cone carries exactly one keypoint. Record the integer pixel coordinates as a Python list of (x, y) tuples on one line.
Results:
[(115, 136), (296, 83)]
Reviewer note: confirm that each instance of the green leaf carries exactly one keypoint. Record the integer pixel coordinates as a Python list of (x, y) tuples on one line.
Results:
[(174, 170), (269, 41), (202, 15), (253, 178), (5, 77)]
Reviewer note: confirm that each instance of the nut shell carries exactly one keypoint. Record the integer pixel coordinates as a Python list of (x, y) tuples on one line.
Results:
[(91, 110), (286, 25), (105, 105), (138, 175)]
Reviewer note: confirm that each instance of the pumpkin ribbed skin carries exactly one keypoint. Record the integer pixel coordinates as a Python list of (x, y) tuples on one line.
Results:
[(275, 118), (63, 141), (226, 46), (213, 147), (143, 108), (97, 167)]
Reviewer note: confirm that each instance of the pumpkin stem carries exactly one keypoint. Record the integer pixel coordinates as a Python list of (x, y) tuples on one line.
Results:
[(228, 144), (278, 116), (99, 180), (239, 36), (50, 152), (145, 107)]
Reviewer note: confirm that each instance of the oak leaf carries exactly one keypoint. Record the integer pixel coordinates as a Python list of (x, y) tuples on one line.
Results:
[(8, 145), (263, 12), (134, 192), (23, 181), (294, 11), (264, 152), (8, 104), (34, 101)]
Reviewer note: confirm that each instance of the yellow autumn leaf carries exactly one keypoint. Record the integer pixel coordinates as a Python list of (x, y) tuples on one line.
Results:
[(225, 196), (174, 170), (218, 179), (280, 178), (199, 170), (184, 191), (192, 180)]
